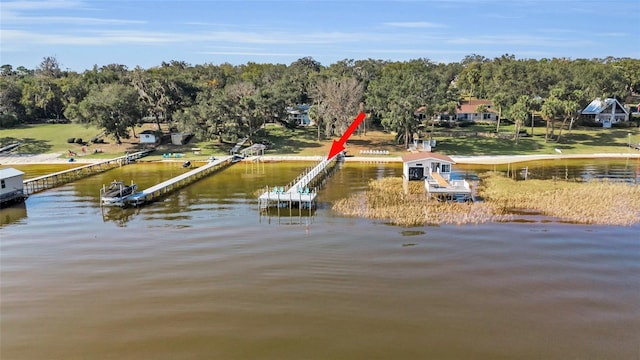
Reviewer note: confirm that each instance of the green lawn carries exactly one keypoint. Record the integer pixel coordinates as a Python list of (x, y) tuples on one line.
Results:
[(580, 141), (47, 138), (51, 138)]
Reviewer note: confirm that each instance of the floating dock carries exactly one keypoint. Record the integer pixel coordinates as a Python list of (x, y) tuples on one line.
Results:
[(41, 183), (300, 193), (153, 193)]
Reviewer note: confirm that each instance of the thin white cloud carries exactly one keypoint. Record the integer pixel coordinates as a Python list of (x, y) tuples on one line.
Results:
[(249, 53), (415, 24), (40, 5), (612, 34), (108, 37), (13, 13), (68, 20), (521, 40)]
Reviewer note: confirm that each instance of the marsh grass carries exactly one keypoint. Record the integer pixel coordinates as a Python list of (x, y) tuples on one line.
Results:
[(594, 202), (589, 203), (386, 200)]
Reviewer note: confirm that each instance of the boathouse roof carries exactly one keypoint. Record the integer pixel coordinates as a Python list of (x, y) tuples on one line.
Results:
[(426, 156), (9, 173)]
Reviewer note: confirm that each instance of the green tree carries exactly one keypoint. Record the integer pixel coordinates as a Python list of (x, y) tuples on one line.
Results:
[(11, 110), (338, 103), (114, 108), (552, 108), (520, 113), (401, 89)]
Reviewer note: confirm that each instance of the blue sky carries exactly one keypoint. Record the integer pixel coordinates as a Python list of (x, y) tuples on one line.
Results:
[(145, 33)]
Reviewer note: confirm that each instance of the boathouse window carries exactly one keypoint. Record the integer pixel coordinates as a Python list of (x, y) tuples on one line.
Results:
[(3, 184)]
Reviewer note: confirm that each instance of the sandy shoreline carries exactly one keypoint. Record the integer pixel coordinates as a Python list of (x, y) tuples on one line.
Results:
[(54, 158)]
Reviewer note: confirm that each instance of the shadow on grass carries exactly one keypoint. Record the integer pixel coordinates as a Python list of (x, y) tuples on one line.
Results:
[(29, 145), (287, 141)]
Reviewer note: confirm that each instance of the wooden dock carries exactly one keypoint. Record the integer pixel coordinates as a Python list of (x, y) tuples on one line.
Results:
[(300, 193), (153, 193), (41, 183), (452, 190)]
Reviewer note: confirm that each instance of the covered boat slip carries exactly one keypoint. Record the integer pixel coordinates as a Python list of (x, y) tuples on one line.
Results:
[(298, 193)]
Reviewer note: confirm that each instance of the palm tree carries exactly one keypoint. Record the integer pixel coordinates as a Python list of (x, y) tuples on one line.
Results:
[(481, 109)]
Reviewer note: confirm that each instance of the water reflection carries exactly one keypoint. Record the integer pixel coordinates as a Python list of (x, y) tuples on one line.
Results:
[(627, 170), (117, 215), (13, 214)]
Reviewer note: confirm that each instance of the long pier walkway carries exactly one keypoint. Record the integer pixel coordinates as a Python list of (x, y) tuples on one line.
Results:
[(44, 182), (165, 187), (297, 193)]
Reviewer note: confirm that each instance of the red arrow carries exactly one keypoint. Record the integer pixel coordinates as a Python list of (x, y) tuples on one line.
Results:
[(338, 146)]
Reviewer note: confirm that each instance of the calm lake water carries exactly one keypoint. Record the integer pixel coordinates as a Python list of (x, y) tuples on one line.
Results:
[(200, 275)]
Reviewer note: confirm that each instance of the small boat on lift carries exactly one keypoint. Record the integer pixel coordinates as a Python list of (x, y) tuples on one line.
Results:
[(116, 193)]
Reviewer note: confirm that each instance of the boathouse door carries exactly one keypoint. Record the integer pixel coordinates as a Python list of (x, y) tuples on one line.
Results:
[(416, 173)]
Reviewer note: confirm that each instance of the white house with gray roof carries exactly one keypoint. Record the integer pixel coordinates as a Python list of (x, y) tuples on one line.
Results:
[(607, 112)]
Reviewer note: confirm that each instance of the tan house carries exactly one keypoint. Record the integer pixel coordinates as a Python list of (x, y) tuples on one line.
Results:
[(467, 111)]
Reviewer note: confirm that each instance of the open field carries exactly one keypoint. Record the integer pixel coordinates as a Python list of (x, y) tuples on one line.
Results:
[(52, 138)]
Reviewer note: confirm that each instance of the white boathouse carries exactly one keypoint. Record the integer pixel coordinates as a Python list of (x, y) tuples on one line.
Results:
[(435, 171), (11, 186)]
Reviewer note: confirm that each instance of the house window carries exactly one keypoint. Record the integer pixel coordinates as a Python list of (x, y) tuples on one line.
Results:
[(445, 168), (3, 184), (486, 116)]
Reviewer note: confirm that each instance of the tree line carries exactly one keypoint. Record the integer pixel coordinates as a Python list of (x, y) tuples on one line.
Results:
[(225, 101)]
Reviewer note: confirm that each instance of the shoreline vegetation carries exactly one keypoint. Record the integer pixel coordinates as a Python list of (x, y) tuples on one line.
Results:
[(503, 199)]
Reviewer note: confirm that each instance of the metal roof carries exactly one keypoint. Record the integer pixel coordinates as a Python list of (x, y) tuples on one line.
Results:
[(9, 173), (425, 156), (598, 105)]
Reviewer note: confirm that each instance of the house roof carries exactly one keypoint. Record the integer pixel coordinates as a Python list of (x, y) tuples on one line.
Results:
[(425, 156), (9, 173), (598, 105), (469, 106)]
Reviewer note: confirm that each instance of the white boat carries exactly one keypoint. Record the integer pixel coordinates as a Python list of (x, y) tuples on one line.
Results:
[(116, 193)]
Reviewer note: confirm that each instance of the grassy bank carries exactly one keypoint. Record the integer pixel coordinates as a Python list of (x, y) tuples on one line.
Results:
[(589, 203)]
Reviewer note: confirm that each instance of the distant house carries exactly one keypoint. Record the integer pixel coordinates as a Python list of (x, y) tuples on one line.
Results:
[(299, 115), (467, 111), (149, 137), (418, 166), (11, 186), (608, 112)]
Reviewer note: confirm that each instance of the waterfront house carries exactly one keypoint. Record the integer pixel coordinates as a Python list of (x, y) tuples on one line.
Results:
[(299, 115), (467, 111), (607, 112), (435, 170), (11, 185)]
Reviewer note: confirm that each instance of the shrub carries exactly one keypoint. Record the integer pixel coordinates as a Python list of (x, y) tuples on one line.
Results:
[(71, 140), (79, 141)]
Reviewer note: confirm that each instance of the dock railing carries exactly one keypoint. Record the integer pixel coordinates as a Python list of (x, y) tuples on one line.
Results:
[(44, 182)]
